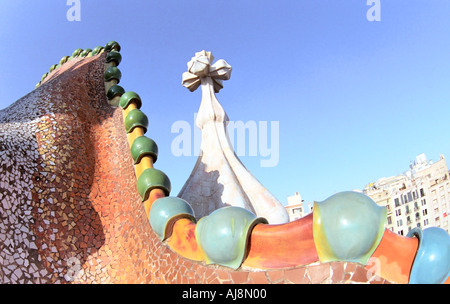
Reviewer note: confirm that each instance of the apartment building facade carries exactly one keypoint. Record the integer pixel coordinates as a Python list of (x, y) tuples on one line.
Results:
[(420, 197), (296, 207)]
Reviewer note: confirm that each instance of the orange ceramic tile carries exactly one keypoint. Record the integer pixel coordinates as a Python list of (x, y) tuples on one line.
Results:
[(282, 246), (447, 281), (183, 240), (394, 257), (145, 163), (154, 195), (137, 132)]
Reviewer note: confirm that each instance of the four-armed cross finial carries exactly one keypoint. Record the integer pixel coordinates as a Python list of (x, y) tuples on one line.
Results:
[(201, 66), (219, 178)]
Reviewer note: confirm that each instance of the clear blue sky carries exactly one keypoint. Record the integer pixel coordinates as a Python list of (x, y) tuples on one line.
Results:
[(356, 100)]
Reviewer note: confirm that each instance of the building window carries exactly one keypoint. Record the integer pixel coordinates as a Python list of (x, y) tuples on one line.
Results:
[(296, 210), (389, 220), (398, 212), (409, 197), (424, 202), (399, 223), (396, 202), (425, 222), (422, 193), (416, 206), (424, 212)]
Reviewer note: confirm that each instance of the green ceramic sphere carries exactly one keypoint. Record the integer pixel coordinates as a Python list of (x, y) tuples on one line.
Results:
[(112, 45), (64, 60), (165, 211), (43, 76), (115, 90), (135, 118), (223, 235), (129, 97), (53, 67), (348, 226), (97, 50), (151, 179), (113, 73), (114, 56), (144, 146), (85, 52), (76, 53)]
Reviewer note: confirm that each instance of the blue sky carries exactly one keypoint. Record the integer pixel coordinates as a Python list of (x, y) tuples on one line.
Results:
[(355, 100)]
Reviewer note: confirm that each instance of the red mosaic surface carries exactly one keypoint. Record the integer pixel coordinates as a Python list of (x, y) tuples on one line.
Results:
[(71, 212)]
